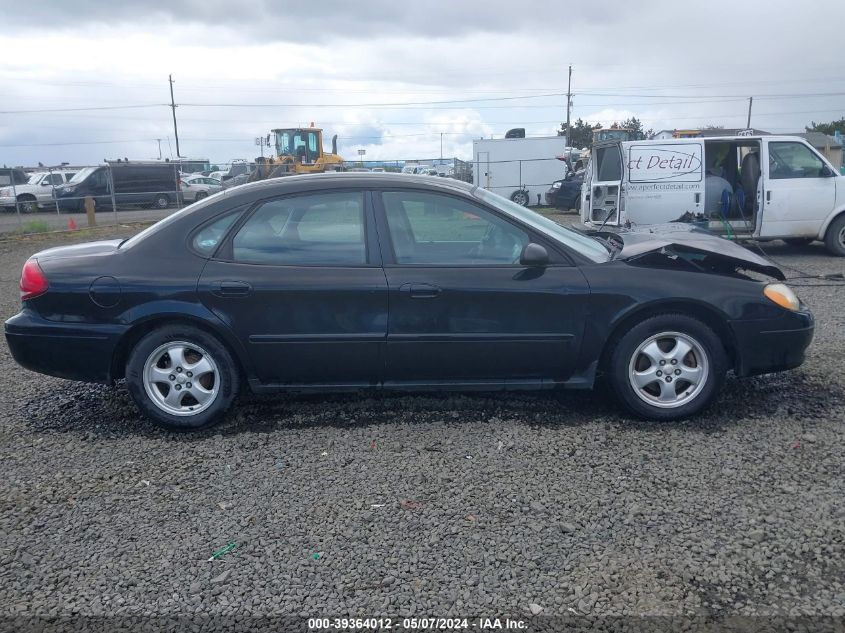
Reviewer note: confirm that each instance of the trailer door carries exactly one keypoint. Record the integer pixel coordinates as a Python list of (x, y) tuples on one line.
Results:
[(606, 182), (663, 180)]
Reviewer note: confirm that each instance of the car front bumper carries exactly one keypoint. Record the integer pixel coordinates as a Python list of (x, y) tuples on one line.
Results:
[(7, 201), (766, 346), (75, 351)]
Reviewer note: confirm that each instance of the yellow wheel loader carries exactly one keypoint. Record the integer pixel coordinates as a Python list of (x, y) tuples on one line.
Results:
[(298, 151)]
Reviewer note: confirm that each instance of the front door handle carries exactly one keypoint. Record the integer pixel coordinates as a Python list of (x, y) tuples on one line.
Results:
[(768, 196), (231, 288), (420, 291)]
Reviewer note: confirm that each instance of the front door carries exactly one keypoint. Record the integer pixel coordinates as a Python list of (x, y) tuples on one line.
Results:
[(301, 284), (462, 308), (799, 190)]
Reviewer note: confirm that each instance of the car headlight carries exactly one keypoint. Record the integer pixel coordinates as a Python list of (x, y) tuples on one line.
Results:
[(556, 184), (70, 189), (5, 192), (782, 295)]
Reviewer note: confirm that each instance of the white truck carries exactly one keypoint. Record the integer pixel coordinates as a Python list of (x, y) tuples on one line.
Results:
[(36, 193), (760, 187), (519, 168)]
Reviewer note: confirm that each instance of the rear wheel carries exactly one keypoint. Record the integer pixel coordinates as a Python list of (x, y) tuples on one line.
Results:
[(161, 201), (668, 367), (181, 377), (27, 203), (520, 197), (834, 239)]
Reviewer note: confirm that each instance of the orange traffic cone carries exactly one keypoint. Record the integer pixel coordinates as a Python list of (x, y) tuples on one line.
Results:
[(71, 224)]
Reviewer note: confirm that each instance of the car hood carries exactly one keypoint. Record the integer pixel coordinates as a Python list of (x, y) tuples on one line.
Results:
[(695, 246), (79, 250)]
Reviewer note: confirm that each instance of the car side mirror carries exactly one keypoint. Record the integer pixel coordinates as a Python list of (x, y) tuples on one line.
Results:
[(826, 172), (534, 255), (45, 184)]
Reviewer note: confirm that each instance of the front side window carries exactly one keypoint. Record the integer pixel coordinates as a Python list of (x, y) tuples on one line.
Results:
[(437, 229), (793, 160), (322, 229)]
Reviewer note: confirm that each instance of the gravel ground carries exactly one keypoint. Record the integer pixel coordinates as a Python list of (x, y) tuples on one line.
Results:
[(426, 505)]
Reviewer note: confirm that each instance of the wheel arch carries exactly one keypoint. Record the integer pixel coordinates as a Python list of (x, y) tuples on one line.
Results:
[(143, 327), (710, 316), (830, 220)]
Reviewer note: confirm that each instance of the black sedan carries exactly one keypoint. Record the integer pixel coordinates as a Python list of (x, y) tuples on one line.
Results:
[(354, 281), (566, 193)]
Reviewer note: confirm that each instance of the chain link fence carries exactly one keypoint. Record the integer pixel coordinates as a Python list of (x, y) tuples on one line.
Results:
[(70, 197)]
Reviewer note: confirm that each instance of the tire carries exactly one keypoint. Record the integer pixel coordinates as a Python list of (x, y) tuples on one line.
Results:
[(200, 195), (161, 201), (834, 239), (27, 204), (152, 362), (520, 197), (798, 241), (633, 355)]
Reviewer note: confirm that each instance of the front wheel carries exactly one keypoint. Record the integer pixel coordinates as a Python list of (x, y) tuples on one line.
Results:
[(668, 367), (182, 377), (834, 239)]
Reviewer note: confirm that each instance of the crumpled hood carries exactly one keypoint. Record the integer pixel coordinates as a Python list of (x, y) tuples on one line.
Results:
[(682, 238)]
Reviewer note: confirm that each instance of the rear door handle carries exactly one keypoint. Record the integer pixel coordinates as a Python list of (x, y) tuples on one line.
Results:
[(768, 196), (420, 291), (231, 288)]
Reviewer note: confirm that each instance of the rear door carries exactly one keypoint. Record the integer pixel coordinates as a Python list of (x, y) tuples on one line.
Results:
[(300, 283), (663, 181), (799, 190), (462, 308)]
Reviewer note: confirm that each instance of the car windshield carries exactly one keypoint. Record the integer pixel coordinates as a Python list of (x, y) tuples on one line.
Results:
[(82, 174), (586, 246), (34, 178)]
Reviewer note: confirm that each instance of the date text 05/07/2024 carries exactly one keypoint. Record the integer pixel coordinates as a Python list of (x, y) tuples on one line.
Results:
[(416, 624)]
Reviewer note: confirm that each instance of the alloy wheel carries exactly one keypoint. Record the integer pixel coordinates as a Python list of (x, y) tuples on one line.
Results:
[(668, 370), (181, 378)]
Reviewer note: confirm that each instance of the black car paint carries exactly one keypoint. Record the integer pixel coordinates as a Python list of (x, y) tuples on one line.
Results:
[(568, 195), (330, 328)]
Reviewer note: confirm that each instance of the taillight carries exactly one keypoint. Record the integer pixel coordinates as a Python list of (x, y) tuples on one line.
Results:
[(33, 280)]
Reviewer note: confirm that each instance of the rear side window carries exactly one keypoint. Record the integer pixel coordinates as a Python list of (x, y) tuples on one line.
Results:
[(608, 164), (207, 239), (321, 229)]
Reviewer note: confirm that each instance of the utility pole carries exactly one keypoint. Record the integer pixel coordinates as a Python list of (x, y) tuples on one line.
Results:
[(568, 108), (173, 106), (750, 101)]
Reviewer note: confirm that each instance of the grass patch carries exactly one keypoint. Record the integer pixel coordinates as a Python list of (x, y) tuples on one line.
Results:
[(36, 226)]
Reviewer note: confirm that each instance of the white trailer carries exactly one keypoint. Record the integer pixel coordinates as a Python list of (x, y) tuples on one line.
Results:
[(520, 169)]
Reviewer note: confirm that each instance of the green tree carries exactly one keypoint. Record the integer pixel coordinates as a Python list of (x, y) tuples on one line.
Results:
[(827, 128), (581, 134)]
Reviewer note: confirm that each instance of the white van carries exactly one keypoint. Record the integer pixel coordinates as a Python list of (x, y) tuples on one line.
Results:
[(761, 187)]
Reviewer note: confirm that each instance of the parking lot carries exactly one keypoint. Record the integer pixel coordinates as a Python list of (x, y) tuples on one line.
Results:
[(534, 506), (11, 222)]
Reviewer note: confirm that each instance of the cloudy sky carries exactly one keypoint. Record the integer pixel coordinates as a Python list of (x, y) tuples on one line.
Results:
[(88, 79)]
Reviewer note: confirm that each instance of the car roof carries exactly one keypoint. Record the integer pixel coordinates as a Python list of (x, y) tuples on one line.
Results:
[(352, 179)]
